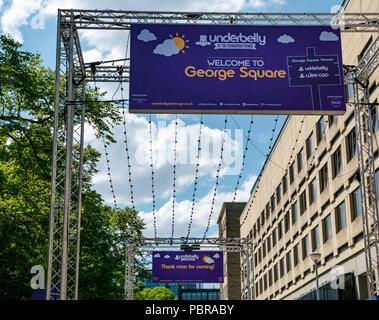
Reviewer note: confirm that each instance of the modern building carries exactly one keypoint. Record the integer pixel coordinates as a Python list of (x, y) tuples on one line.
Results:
[(229, 227), (308, 199), (185, 291)]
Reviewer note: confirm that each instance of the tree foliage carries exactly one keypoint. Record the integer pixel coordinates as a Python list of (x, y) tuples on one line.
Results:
[(26, 121), (156, 293)]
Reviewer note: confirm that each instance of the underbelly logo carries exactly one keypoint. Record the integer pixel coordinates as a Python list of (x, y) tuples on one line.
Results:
[(232, 41)]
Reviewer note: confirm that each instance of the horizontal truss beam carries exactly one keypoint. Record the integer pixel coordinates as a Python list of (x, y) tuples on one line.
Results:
[(121, 20)]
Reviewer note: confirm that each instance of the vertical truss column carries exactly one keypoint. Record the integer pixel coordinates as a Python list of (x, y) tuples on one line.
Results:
[(366, 164), (67, 164), (129, 271)]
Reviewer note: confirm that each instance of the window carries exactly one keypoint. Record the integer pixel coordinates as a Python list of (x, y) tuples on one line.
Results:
[(365, 49), (315, 239), (263, 218), (351, 145), (284, 183), (310, 146), (274, 238), (327, 228), (289, 261), (281, 267), (340, 217), (292, 172), (320, 129), (286, 222), (332, 119), (276, 273), (278, 193), (323, 177), (374, 117), (272, 203), (267, 210), (270, 277), (356, 203), (296, 255), (280, 230), (294, 212), (312, 191), (300, 160), (263, 249), (303, 202), (268, 244), (337, 162), (305, 247)]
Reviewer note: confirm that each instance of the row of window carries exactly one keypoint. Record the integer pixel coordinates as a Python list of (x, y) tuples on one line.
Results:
[(309, 243), (323, 177)]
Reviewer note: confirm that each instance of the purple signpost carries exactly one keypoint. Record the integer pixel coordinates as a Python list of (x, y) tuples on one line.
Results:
[(236, 69), (187, 267)]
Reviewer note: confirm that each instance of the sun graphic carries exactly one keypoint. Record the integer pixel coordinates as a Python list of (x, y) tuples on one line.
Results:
[(180, 42), (205, 258)]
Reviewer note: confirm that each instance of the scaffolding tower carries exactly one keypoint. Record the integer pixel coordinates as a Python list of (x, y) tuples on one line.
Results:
[(72, 75)]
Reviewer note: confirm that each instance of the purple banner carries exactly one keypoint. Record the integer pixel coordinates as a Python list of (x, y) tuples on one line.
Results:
[(188, 267), (236, 69)]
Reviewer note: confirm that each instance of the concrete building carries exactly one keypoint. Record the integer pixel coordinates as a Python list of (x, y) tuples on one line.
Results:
[(308, 199), (229, 227)]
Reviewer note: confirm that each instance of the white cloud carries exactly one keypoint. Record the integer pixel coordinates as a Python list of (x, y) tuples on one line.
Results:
[(20, 11), (209, 260), (167, 48), (166, 256), (216, 256), (285, 38), (16, 15), (200, 216), (328, 36), (146, 36), (157, 255), (163, 155)]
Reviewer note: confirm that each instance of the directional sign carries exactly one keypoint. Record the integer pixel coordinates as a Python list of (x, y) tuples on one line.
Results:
[(314, 71)]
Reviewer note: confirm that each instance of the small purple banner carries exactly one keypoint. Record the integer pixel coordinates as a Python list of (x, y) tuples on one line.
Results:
[(244, 69), (188, 267)]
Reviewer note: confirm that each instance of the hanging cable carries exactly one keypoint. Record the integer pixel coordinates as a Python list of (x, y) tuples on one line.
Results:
[(152, 178), (243, 158), (196, 178), (127, 152), (266, 159), (174, 178), (109, 172), (217, 178)]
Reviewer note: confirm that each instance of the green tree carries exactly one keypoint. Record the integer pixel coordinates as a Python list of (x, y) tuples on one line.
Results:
[(26, 122), (156, 293)]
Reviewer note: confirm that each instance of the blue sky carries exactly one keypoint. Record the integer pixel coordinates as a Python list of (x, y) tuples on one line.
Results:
[(34, 23)]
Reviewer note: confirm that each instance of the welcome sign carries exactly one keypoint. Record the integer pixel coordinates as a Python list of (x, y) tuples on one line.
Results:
[(236, 69), (187, 267)]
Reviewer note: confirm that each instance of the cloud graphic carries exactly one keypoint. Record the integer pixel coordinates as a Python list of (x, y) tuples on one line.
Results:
[(157, 255), (166, 256), (167, 48), (209, 260), (328, 36), (285, 38), (216, 256), (146, 36)]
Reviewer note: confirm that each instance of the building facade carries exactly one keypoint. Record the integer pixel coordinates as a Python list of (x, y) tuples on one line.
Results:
[(229, 227), (308, 199)]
